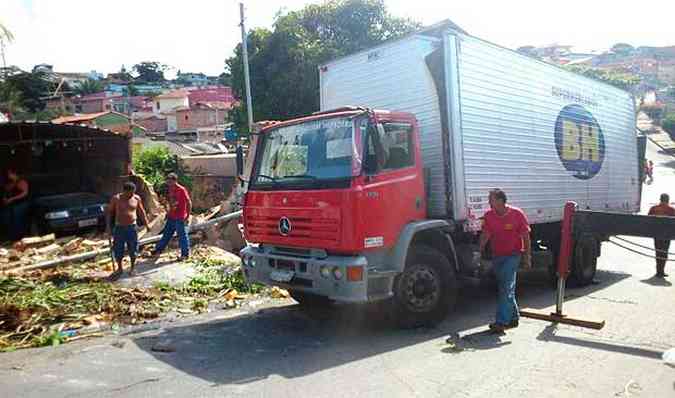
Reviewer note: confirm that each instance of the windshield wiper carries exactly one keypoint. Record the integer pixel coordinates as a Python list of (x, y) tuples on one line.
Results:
[(302, 176)]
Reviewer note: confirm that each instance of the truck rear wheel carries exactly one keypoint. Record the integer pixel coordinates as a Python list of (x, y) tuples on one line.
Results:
[(427, 289), (584, 262)]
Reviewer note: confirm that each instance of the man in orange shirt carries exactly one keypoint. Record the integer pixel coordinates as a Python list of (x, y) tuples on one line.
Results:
[(663, 209)]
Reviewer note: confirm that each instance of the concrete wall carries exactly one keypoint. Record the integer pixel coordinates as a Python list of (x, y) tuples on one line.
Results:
[(209, 191), (217, 165), (168, 104), (199, 117)]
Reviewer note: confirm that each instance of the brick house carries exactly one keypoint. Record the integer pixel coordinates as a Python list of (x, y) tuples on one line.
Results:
[(153, 123), (99, 102), (201, 115)]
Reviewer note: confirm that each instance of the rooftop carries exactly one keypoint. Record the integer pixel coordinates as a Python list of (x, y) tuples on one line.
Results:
[(176, 94), (82, 118)]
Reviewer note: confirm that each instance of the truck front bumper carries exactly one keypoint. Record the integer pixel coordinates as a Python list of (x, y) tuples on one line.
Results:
[(303, 273)]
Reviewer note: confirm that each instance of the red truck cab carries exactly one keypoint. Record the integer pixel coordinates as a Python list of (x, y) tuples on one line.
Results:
[(328, 201)]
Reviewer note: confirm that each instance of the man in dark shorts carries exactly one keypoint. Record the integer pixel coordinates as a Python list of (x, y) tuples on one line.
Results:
[(124, 208), (663, 209)]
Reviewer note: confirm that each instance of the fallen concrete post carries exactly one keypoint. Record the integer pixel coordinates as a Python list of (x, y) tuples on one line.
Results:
[(142, 242)]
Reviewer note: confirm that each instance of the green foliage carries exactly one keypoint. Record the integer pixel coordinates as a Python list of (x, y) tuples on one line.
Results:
[(5, 34), (89, 86), (620, 80), (132, 91), (26, 91), (671, 92), (156, 163), (284, 61), (668, 124), (150, 72), (225, 79), (623, 49)]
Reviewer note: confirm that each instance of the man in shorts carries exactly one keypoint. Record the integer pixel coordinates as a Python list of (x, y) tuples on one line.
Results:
[(125, 208)]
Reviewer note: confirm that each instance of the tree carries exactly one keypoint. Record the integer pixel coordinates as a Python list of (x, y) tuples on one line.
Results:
[(621, 80), (123, 75), (150, 72), (668, 124), (225, 79), (132, 91), (89, 86), (284, 61), (155, 163), (28, 90), (623, 49), (6, 37)]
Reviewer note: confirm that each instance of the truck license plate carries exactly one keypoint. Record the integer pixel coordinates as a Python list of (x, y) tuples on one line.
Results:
[(87, 223), (282, 276)]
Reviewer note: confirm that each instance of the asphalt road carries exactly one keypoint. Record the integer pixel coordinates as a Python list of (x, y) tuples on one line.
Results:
[(280, 351)]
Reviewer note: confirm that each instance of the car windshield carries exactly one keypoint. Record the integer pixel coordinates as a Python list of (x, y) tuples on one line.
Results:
[(311, 153)]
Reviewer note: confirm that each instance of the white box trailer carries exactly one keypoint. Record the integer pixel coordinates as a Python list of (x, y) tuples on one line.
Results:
[(491, 117)]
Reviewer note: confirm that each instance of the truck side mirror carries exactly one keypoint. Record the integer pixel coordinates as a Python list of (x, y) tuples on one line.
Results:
[(240, 161)]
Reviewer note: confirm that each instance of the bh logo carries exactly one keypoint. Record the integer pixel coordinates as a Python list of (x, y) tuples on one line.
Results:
[(579, 141)]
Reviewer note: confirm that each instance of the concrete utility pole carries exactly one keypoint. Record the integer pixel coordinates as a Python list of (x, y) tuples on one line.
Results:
[(247, 79)]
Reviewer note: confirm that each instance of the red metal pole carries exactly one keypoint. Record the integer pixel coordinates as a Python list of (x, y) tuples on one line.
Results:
[(566, 240)]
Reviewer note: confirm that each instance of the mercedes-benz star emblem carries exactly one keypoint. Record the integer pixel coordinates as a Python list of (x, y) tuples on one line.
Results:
[(284, 226)]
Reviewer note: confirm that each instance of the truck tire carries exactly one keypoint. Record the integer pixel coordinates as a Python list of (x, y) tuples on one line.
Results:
[(584, 262), (426, 292), (309, 300)]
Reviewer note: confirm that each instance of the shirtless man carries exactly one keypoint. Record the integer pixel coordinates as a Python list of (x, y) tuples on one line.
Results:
[(124, 208)]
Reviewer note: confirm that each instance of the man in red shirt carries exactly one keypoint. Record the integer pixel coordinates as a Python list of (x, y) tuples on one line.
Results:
[(180, 207), (663, 209), (507, 230)]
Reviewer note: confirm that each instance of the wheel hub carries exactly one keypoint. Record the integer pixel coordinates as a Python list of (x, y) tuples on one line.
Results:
[(422, 289)]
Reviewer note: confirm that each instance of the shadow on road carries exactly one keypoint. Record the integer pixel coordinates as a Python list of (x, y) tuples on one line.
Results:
[(291, 343), (659, 282), (549, 335)]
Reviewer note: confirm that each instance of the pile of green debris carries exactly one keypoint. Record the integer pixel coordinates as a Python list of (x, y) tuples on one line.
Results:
[(54, 307)]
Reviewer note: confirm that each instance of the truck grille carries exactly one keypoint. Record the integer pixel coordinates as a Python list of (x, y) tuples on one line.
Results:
[(317, 229)]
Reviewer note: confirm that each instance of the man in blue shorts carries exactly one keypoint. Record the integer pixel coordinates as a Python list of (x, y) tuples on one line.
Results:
[(124, 208)]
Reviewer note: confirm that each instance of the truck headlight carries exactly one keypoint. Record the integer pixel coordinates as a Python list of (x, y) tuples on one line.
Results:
[(55, 215), (324, 271)]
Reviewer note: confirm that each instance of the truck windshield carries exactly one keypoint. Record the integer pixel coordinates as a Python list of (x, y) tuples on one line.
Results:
[(318, 154)]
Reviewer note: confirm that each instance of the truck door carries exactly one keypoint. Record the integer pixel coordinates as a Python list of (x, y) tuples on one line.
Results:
[(393, 187)]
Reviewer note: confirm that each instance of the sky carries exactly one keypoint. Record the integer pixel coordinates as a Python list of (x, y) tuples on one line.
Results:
[(198, 35)]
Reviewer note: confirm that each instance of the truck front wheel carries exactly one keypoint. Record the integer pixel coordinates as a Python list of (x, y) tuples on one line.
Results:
[(426, 291)]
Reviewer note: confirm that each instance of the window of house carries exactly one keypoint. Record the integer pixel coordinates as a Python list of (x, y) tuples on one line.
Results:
[(186, 117), (390, 147)]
